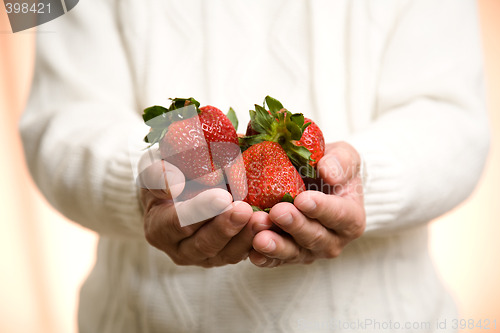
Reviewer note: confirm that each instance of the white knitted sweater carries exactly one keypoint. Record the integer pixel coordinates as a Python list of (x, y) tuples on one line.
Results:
[(399, 79)]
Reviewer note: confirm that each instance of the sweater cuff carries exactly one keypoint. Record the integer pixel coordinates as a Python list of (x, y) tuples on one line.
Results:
[(121, 196), (381, 174)]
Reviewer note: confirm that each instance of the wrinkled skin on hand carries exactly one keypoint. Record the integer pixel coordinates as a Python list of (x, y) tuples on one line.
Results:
[(317, 225), (225, 237)]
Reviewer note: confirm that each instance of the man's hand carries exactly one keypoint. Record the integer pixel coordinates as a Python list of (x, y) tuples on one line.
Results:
[(317, 225), (223, 239)]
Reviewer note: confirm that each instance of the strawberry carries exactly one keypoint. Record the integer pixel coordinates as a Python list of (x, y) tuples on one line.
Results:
[(271, 177), (300, 137), (313, 140), (187, 135)]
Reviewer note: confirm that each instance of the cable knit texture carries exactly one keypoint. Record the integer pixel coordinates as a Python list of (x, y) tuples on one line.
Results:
[(400, 80)]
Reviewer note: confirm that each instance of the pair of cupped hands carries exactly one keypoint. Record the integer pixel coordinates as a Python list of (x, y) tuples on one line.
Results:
[(317, 225)]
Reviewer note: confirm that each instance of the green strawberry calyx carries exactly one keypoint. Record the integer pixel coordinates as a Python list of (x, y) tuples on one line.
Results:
[(159, 118), (231, 115), (281, 126), (286, 198)]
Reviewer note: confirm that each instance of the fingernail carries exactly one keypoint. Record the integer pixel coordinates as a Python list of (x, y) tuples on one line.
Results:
[(307, 205), (284, 219), (239, 215), (270, 247), (260, 261), (334, 167)]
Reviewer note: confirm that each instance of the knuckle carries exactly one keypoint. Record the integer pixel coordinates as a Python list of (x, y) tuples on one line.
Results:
[(298, 228), (316, 240), (294, 257), (180, 261), (205, 248), (357, 229), (333, 252), (177, 229), (208, 264), (227, 231), (309, 261), (151, 235), (230, 259), (293, 254), (341, 214)]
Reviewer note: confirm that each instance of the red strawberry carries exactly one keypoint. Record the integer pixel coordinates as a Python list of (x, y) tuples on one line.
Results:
[(187, 134), (235, 177), (313, 140), (250, 131), (300, 137), (271, 177)]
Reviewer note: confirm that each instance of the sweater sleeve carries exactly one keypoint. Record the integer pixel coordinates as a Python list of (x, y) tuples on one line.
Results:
[(426, 146), (76, 129)]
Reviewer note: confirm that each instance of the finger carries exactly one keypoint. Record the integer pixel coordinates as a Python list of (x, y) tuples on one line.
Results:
[(340, 164), (214, 235), (239, 246), (203, 206), (259, 221), (166, 223), (306, 232), (261, 260), (344, 215), (162, 228), (277, 246)]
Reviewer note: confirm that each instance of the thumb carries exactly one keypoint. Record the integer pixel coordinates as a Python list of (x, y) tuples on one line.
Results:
[(340, 164)]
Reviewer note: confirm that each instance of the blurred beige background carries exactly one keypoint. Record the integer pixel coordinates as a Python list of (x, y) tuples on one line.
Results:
[(44, 258)]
